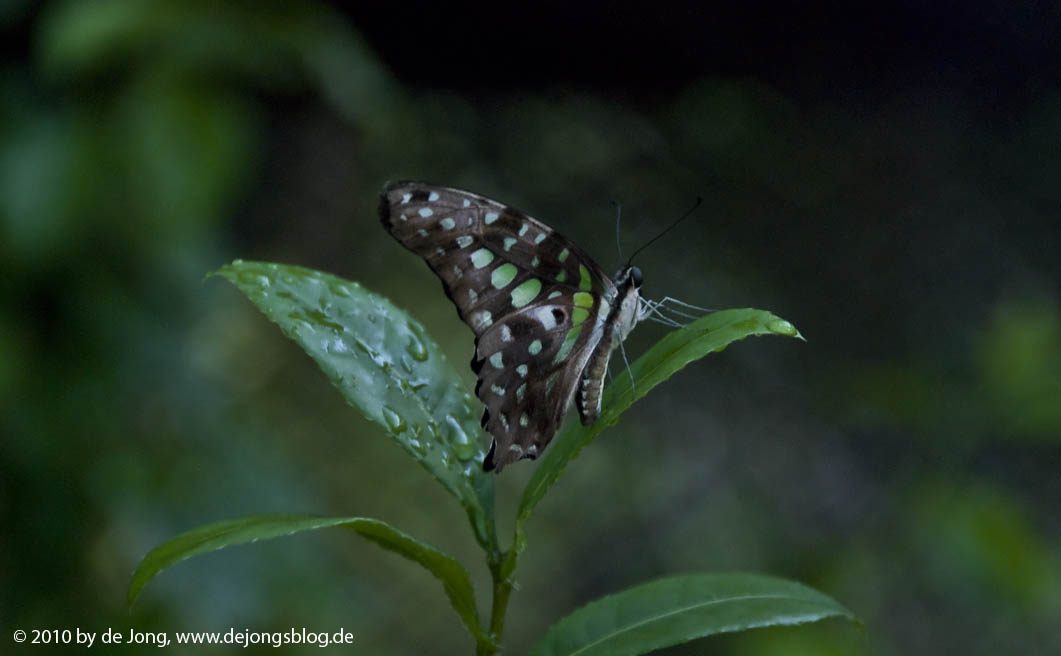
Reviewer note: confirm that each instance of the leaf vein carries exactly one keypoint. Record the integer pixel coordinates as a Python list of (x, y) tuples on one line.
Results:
[(683, 609)]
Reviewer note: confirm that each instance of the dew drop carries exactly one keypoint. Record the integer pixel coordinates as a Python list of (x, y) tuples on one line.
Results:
[(321, 320), (416, 347), (337, 346), (462, 445), (417, 446), (302, 321), (339, 290), (253, 278), (782, 327), (393, 420)]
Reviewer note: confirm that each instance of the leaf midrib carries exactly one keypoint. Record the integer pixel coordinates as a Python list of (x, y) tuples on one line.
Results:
[(684, 609)]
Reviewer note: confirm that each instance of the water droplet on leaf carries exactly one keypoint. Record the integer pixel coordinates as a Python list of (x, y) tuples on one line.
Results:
[(782, 327), (253, 278), (417, 446), (416, 346), (393, 420), (462, 445), (339, 290)]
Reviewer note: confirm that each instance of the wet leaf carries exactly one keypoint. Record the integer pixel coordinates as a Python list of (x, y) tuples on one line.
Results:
[(385, 365)]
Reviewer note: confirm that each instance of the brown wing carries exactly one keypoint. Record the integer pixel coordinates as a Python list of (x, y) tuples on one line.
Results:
[(468, 239), (529, 364), (532, 297)]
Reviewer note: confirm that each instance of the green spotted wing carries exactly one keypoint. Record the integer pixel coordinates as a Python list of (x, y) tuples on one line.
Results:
[(544, 314)]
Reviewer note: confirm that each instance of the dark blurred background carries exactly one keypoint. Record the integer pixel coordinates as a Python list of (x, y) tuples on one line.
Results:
[(885, 176)]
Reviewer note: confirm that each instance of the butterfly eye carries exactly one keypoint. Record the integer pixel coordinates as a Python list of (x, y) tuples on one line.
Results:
[(635, 275)]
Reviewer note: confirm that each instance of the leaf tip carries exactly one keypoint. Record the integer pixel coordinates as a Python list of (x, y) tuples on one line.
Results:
[(136, 585), (780, 326), (224, 271)]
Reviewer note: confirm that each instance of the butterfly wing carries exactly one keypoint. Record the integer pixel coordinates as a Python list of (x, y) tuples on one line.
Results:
[(529, 365), (536, 302)]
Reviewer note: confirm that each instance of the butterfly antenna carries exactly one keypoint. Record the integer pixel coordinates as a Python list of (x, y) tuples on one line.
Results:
[(618, 216), (622, 350), (699, 200)]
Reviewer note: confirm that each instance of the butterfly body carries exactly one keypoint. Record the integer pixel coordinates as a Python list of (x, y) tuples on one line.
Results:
[(616, 328), (545, 316)]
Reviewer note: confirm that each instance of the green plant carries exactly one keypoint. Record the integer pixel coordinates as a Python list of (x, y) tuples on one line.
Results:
[(386, 366)]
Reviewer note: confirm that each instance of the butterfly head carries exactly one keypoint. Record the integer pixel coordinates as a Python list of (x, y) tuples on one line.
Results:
[(628, 276)]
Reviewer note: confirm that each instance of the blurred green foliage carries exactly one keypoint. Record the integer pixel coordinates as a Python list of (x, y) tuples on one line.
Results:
[(905, 461)]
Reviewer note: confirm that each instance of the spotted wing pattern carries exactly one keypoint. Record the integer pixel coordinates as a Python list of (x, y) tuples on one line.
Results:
[(536, 302)]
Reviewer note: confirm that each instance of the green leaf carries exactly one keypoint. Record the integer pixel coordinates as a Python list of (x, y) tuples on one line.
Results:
[(674, 610), (264, 527), (677, 349), (385, 365)]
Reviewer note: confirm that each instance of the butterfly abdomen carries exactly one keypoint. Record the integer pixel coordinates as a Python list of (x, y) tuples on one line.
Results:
[(591, 383)]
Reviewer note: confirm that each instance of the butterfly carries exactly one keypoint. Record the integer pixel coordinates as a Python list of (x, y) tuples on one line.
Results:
[(546, 317)]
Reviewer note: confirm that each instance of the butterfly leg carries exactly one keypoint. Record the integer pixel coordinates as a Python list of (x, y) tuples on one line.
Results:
[(651, 310), (690, 306)]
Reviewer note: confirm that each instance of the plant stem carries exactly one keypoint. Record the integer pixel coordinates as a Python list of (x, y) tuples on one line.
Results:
[(502, 590)]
